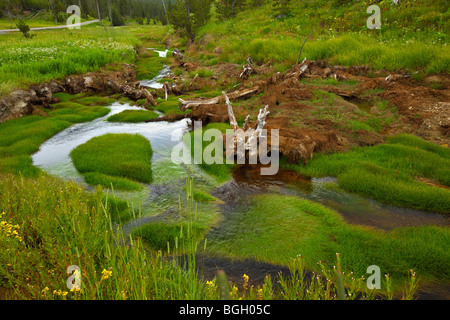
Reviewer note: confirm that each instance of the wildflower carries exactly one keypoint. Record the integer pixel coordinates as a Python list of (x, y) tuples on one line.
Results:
[(259, 294), (45, 290), (124, 295), (106, 274), (233, 292), (245, 281)]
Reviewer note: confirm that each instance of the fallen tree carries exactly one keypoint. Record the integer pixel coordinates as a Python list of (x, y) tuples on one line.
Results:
[(189, 104)]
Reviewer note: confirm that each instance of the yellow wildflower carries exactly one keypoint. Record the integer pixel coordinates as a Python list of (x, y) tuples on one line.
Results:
[(259, 294), (106, 274), (246, 278)]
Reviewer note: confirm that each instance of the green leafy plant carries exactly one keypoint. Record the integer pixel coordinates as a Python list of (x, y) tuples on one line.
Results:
[(25, 29)]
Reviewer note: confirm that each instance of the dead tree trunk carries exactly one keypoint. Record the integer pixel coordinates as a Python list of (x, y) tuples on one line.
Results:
[(249, 69), (189, 104), (245, 141)]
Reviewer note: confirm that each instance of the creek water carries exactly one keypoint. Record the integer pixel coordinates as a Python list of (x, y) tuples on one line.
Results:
[(54, 158)]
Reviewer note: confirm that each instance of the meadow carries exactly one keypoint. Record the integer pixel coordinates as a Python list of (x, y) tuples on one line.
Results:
[(413, 36), (49, 224), (57, 53), (278, 228)]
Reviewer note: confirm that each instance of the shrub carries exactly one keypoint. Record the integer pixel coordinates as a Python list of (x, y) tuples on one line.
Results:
[(25, 29)]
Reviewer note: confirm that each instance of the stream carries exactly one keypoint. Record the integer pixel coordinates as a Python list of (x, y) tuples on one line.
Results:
[(54, 158)]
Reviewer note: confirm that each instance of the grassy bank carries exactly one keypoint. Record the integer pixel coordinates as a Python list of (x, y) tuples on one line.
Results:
[(390, 172), (117, 155), (133, 116), (413, 35), (22, 137)]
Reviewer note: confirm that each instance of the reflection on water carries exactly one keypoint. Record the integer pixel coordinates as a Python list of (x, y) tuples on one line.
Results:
[(355, 209)]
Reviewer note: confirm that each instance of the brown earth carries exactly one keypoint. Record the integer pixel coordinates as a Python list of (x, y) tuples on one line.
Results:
[(320, 111), (323, 109)]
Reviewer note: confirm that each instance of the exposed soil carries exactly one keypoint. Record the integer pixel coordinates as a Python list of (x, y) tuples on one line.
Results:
[(328, 108), (323, 109)]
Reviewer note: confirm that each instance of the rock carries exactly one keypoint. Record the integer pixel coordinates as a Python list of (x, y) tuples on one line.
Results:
[(17, 104)]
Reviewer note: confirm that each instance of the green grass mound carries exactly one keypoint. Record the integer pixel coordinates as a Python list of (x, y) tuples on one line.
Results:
[(104, 180), (390, 172), (20, 138), (170, 106), (117, 155), (133, 116), (160, 236)]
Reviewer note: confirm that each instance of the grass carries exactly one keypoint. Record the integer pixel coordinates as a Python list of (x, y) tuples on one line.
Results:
[(407, 39), (20, 138), (57, 53), (118, 155), (149, 64), (221, 172), (389, 172), (59, 224), (107, 181), (274, 229), (133, 116)]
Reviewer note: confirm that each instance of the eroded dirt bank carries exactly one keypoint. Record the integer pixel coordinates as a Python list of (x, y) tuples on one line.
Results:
[(31, 101), (316, 106), (320, 107)]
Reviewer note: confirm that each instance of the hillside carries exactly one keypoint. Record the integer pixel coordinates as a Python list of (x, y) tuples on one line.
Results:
[(413, 35)]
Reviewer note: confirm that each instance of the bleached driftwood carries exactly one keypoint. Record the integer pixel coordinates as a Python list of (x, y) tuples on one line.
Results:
[(149, 97), (193, 80), (189, 104), (303, 67), (167, 89), (248, 69), (245, 140), (177, 54)]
